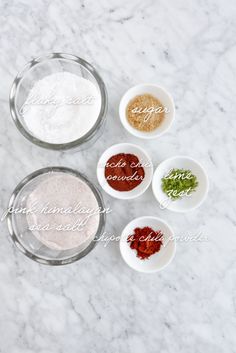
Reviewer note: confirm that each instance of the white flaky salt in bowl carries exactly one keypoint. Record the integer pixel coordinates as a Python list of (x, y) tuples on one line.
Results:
[(59, 102)]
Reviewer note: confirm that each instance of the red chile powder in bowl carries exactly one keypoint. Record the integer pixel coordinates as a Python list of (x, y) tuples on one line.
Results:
[(145, 241), (124, 172)]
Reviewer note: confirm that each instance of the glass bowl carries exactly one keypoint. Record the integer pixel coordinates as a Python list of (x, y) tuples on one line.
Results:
[(23, 237), (36, 70)]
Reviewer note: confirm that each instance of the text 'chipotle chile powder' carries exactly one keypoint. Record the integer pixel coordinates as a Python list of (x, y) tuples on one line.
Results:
[(124, 172)]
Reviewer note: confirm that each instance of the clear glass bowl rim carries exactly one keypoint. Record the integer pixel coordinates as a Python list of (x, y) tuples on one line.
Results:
[(16, 116), (54, 262)]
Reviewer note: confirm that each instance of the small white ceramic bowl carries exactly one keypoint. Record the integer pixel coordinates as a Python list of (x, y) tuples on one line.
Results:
[(143, 158), (158, 92), (187, 203), (157, 261)]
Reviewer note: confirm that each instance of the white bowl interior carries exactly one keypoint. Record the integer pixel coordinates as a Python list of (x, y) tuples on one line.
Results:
[(158, 92), (143, 158), (186, 203), (157, 261)]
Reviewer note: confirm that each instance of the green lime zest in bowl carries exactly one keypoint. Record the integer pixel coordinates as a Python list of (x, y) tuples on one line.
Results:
[(178, 183)]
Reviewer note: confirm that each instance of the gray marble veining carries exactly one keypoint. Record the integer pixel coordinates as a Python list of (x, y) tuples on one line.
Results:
[(99, 304)]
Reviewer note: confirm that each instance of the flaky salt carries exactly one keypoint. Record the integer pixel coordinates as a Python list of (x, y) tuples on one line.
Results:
[(61, 108)]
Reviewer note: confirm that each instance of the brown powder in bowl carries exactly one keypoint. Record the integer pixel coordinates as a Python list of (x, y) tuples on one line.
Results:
[(145, 112)]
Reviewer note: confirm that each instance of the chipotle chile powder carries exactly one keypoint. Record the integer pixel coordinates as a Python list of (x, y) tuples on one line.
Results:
[(145, 241), (124, 172)]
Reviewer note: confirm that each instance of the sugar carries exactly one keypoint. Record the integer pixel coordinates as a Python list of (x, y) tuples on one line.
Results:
[(62, 191), (61, 108)]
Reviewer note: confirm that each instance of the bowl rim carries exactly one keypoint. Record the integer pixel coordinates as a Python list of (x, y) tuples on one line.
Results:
[(16, 116), (156, 219), (25, 181), (112, 193), (204, 172), (141, 134)]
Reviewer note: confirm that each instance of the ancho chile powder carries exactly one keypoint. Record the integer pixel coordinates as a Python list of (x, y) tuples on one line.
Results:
[(145, 241), (124, 172)]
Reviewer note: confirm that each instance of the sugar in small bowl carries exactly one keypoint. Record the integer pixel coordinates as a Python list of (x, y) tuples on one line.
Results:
[(147, 111)]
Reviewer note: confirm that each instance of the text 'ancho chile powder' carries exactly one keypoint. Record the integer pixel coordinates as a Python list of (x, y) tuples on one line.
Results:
[(124, 172), (145, 241)]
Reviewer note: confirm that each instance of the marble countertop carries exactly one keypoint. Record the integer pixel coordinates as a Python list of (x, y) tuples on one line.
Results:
[(99, 304)]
